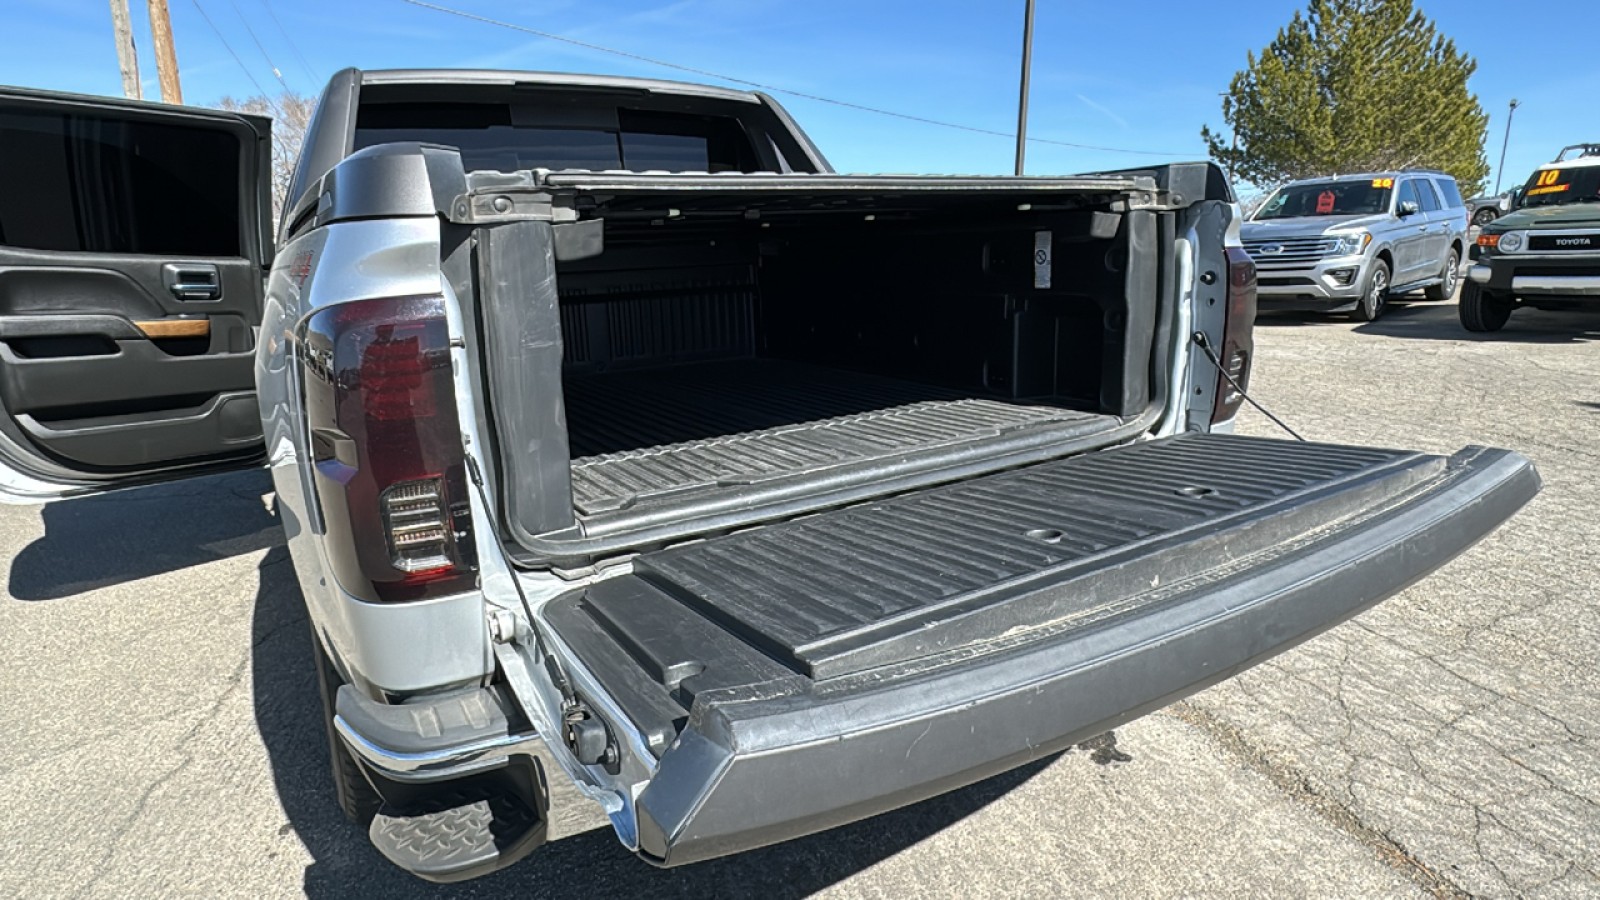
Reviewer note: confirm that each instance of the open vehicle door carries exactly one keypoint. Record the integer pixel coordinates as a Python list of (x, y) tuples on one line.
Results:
[(133, 244)]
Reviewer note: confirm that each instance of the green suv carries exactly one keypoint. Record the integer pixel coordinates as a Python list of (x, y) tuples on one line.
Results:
[(1544, 254)]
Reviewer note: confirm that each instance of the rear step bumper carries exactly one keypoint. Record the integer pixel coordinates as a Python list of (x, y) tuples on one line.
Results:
[(433, 740), (745, 774), (462, 792)]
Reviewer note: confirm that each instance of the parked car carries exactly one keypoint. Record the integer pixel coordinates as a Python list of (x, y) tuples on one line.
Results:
[(1546, 254), (1352, 241), (1485, 209), (609, 425)]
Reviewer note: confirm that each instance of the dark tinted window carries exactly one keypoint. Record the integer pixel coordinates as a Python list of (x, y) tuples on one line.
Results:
[(85, 183), (1552, 187), (1426, 193), (504, 148), (494, 137), (1408, 194), (1452, 194)]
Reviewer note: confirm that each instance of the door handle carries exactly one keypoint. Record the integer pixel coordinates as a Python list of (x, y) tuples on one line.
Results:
[(192, 282)]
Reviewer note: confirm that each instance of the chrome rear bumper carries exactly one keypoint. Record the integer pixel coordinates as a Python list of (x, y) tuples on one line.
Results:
[(446, 738)]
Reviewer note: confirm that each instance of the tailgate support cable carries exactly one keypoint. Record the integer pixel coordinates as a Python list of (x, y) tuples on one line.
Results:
[(589, 738), (558, 675), (1204, 343)]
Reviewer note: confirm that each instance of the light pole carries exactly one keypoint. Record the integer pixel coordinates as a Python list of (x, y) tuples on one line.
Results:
[(1500, 172), (1022, 100)]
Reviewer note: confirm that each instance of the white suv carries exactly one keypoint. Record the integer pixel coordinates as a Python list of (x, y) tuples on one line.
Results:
[(1350, 242)]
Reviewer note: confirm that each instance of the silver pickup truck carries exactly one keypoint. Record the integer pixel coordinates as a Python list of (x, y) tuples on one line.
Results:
[(610, 427)]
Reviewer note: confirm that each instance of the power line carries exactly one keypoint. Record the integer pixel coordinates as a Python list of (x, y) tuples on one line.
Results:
[(292, 46), (226, 46), (276, 72), (767, 87)]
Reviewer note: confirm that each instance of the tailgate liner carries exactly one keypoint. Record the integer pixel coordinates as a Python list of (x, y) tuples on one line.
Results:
[(883, 583), (750, 770), (806, 674), (743, 422)]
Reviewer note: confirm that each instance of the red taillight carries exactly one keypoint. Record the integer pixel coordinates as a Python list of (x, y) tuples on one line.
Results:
[(391, 475), (393, 374), (1238, 335)]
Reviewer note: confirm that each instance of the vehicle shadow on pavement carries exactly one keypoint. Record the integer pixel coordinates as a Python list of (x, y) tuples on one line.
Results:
[(1276, 319), (1442, 322), (99, 541), (590, 863)]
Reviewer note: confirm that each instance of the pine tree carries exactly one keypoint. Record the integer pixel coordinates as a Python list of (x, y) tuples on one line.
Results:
[(1352, 86)]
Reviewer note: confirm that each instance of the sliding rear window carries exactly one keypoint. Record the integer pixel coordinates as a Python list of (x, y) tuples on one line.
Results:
[(500, 137)]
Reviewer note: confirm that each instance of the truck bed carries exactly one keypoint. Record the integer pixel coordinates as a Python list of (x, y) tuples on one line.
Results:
[(740, 422)]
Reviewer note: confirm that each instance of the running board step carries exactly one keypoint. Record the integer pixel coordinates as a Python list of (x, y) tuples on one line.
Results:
[(463, 832)]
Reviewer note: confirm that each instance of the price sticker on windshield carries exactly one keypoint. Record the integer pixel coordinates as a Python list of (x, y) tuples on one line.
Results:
[(1546, 183), (1383, 182), (1325, 202)]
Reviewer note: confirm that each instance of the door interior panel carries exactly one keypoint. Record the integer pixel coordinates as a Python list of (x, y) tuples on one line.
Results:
[(127, 321), (76, 346)]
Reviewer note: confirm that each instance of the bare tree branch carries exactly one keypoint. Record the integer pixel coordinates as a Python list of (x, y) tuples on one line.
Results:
[(291, 115)]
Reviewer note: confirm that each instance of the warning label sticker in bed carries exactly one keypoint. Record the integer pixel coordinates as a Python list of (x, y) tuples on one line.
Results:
[(1041, 259)]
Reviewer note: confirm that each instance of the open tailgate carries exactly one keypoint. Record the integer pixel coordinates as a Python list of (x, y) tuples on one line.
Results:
[(800, 675)]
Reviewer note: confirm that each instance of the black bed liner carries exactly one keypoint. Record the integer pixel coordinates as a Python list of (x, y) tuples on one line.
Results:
[(969, 568), (637, 435), (877, 584)]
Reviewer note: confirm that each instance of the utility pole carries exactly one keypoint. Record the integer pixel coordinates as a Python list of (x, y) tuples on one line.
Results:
[(1022, 102), (1502, 169), (127, 56), (166, 54)]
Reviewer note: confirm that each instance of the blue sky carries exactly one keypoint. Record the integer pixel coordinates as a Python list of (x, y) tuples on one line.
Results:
[(1135, 74)]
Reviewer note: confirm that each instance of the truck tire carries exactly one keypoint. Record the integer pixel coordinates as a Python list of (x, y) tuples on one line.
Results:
[(1451, 276), (1484, 216), (1375, 294), (1481, 310), (357, 799)]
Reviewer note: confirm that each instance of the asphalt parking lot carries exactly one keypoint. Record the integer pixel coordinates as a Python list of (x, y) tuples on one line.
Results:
[(162, 735)]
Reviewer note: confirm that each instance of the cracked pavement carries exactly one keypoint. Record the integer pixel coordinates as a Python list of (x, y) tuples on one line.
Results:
[(162, 732)]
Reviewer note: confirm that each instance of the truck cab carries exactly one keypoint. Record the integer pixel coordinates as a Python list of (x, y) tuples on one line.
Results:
[(612, 430)]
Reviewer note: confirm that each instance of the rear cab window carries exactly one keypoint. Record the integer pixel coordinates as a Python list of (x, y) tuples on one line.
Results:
[(506, 137), (81, 183)]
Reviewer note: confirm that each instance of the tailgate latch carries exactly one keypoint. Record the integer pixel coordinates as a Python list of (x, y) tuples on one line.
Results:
[(589, 739)]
